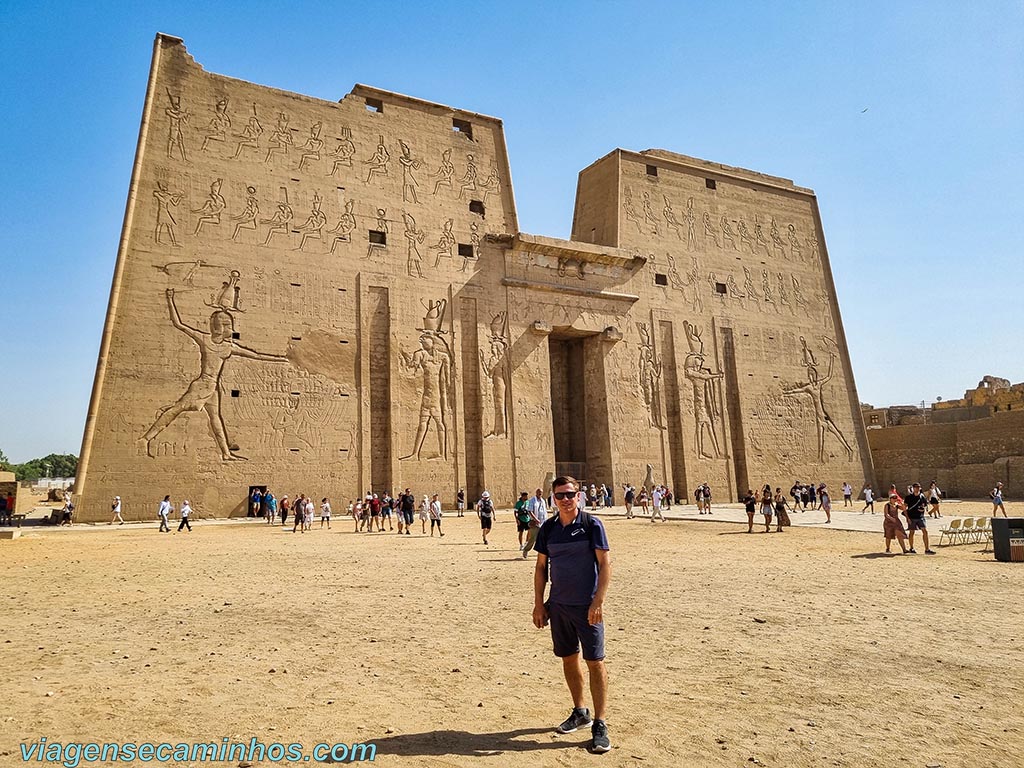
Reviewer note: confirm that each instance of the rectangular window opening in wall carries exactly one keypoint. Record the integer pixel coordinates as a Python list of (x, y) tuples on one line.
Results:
[(235, 393), (466, 250), (652, 170), (660, 279), (236, 335), (374, 105), (378, 238), (462, 126), (476, 206), (721, 289), (710, 184)]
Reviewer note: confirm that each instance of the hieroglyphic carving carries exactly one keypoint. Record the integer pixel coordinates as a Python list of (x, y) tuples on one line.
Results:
[(312, 228), (649, 217), (165, 221), (693, 281), (216, 347), (735, 293), (413, 237), (777, 244), (492, 184), (728, 236), (381, 226), (346, 224), (495, 366), (745, 237), (794, 243), (378, 161), (670, 217), (784, 294), (311, 149), (630, 211), (280, 223), (468, 182), (432, 363), (219, 125), (249, 215), (691, 225), (798, 295), (812, 243), (250, 135), (474, 240), (766, 289), (344, 152), (212, 207), (177, 118), (445, 172), (445, 244), (281, 138), (706, 406), (409, 164), (760, 238), (673, 275), (576, 267), (649, 377), (814, 389), (750, 290), (709, 230)]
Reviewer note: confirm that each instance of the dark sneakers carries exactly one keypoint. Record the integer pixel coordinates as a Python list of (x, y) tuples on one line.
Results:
[(579, 718), (599, 731)]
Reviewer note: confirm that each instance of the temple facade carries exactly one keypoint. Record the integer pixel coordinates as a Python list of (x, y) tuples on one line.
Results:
[(332, 297)]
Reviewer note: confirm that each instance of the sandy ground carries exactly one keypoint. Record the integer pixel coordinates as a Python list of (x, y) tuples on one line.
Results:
[(724, 649)]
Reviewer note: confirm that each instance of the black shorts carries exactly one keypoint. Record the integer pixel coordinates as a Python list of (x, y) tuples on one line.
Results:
[(521, 526), (916, 524), (407, 516), (570, 628), (485, 522)]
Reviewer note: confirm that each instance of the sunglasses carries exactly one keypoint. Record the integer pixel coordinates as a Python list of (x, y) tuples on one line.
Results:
[(563, 495)]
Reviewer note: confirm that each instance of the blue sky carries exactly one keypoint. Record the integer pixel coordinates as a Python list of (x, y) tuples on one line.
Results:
[(920, 195)]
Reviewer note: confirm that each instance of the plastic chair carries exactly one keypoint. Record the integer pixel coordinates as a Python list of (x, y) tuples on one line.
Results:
[(952, 530), (966, 529)]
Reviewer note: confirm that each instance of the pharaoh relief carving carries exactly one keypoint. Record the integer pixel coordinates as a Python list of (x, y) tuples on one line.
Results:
[(814, 390), (281, 222), (750, 290), (469, 180), (630, 211), (431, 364), (492, 184), (249, 138), (495, 366), (728, 236), (280, 138), (446, 243), (673, 274), (413, 238), (649, 217), (378, 161), (693, 281), (812, 243), (445, 172), (311, 149), (409, 165), (709, 230), (649, 371), (213, 206), (344, 152), (346, 225), (377, 248), (784, 294), (248, 217), (766, 289), (691, 225), (312, 228), (777, 245), (798, 295), (474, 240), (744, 234), (759, 237), (670, 218), (794, 243), (177, 118), (165, 221), (216, 347), (219, 125), (706, 405)]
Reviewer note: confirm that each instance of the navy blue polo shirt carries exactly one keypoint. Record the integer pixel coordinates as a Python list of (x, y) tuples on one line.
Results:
[(571, 558)]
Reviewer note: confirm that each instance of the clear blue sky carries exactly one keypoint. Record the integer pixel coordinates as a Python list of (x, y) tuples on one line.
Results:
[(920, 195)]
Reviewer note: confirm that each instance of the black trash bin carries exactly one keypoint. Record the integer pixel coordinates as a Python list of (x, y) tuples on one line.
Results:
[(1008, 539)]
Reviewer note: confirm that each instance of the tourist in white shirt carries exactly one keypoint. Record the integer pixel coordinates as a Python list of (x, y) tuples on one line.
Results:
[(185, 511), (325, 513), (435, 515), (656, 497), (164, 512), (538, 510), (115, 509)]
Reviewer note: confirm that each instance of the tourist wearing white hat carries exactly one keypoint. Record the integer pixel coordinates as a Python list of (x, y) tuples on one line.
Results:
[(485, 511), (115, 508), (184, 512)]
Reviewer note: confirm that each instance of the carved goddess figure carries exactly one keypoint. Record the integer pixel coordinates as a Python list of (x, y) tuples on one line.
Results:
[(219, 125), (344, 152), (445, 172), (650, 377), (216, 347), (494, 366)]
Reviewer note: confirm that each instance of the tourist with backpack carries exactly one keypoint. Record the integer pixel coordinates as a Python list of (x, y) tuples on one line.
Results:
[(485, 511)]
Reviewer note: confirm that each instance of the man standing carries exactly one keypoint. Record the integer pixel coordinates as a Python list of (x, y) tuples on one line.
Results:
[(407, 503), (538, 511), (869, 500), (630, 495), (847, 495), (656, 497), (164, 512), (460, 502), (522, 516), (916, 504), (576, 545), (485, 511)]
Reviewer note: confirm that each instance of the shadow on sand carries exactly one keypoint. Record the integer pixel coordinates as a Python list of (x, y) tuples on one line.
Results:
[(441, 743)]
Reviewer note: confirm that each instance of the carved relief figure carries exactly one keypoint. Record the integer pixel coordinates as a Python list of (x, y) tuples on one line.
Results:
[(176, 117), (280, 139), (280, 222), (492, 184), (474, 239), (691, 225), (165, 221), (378, 161), (784, 293), (745, 238), (576, 266), (673, 275), (343, 231), (216, 347), (409, 164), (748, 288), (250, 135), (727, 234), (649, 375), (630, 211), (213, 206), (495, 366), (734, 291), (413, 236), (649, 216), (706, 408), (312, 228), (709, 230), (812, 242), (247, 218), (766, 289), (798, 295), (344, 152), (229, 296), (759, 236), (219, 125), (777, 245), (713, 282), (432, 362), (670, 217), (446, 244), (469, 180), (693, 280), (794, 243), (382, 226), (814, 389), (311, 149), (445, 172)]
